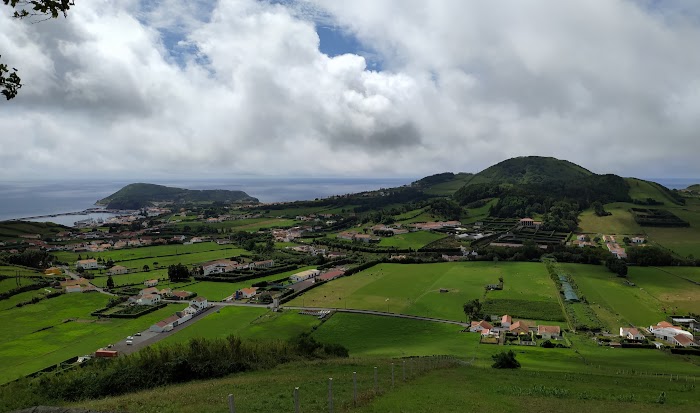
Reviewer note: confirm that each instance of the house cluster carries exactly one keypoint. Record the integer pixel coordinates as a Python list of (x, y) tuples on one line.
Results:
[(357, 237), (327, 218), (381, 229), (517, 328), (316, 251), (300, 281), (222, 266), (613, 246), (663, 333), (675, 335), (151, 295), (430, 226), (197, 305), (287, 235)]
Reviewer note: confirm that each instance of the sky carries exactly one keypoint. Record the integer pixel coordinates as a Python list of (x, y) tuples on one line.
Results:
[(366, 88)]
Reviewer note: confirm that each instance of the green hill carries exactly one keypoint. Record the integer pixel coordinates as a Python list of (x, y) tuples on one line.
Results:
[(139, 195), (530, 170), (446, 183), (531, 186)]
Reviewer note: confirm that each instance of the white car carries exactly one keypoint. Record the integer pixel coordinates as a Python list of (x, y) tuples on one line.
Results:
[(129, 342), (130, 338), (138, 334)]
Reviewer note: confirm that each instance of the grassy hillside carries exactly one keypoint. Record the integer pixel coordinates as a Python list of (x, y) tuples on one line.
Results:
[(642, 190), (13, 229), (139, 195), (444, 184), (530, 170)]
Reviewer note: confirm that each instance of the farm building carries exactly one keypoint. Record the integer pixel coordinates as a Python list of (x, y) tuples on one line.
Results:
[(247, 292), (199, 302), (304, 275), (148, 299), (165, 325)]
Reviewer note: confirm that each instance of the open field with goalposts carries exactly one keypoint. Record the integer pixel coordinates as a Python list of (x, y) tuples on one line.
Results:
[(655, 295), (415, 289)]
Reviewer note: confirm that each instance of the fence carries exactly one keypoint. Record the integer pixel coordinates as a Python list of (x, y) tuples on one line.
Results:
[(345, 392)]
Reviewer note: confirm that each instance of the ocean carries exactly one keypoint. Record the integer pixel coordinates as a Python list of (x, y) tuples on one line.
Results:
[(29, 199)]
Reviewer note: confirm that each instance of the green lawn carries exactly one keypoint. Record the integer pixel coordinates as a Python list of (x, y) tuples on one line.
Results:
[(620, 222), (11, 283), (413, 240), (39, 335), (677, 295), (415, 288), (252, 224)]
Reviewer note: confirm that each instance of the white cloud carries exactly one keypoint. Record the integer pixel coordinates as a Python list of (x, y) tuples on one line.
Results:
[(612, 85)]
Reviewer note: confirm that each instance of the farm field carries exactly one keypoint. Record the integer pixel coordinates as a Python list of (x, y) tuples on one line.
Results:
[(613, 302), (413, 240), (252, 224), (691, 273), (620, 222), (11, 283), (677, 295), (139, 277), (415, 289), (128, 254), (39, 335), (12, 270)]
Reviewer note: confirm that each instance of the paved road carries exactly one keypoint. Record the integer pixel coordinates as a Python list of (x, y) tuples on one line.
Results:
[(381, 313), (149, 337)]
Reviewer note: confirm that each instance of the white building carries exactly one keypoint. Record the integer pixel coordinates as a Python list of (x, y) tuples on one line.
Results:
[(149, 299), (304, 275), (90, 264), (199, 302), (631, 333)]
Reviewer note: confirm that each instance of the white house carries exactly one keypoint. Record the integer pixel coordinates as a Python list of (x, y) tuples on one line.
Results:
[(549, 332), (118, 269), (668, 332), (165, 325), (199, 302), (631, 333), (219, 266), (149, 299), (248, 292), (304, 275), (480, 326), (191, 310), (90, 264), (683, 340), (150, 283)]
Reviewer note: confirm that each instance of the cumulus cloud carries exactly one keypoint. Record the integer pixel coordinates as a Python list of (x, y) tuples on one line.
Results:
[(224, 88)]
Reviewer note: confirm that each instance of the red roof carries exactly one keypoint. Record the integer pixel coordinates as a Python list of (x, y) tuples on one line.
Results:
[(518, 324), (506, 319), (483, 324), (331, 274), (683, 340), (548, 329)]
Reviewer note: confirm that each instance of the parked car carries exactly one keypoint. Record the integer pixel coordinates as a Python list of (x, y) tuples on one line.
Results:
[(138, 334), (130, 338), (129, 342)]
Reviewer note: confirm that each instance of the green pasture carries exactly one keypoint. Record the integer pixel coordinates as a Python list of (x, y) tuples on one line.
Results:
[(450, 187), (614, 303), (620, 222), (641, 190), (218, 323), (691, 273), (452, 390), (139, 277), (413, 240), (13, 270), (415, 288), (11, 283), (12, 302), (38, 335), (250, 224), (132, 257), (372, 335), (677, 295), (682, 241)]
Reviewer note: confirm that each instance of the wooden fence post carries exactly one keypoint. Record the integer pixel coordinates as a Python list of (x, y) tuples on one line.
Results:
[(231, 404)]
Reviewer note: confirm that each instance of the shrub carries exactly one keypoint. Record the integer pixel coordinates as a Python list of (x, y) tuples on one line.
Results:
[(505, 360)]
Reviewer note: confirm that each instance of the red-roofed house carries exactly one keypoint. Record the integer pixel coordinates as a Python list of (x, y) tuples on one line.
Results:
[(683, 341), (506, 321), (549, 332), (479, 326), (631, 333), (181, 295), (165, 325), (518, 328), (248, 292)]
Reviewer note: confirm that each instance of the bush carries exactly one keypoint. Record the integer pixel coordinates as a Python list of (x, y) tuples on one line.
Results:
[(505, 360)]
